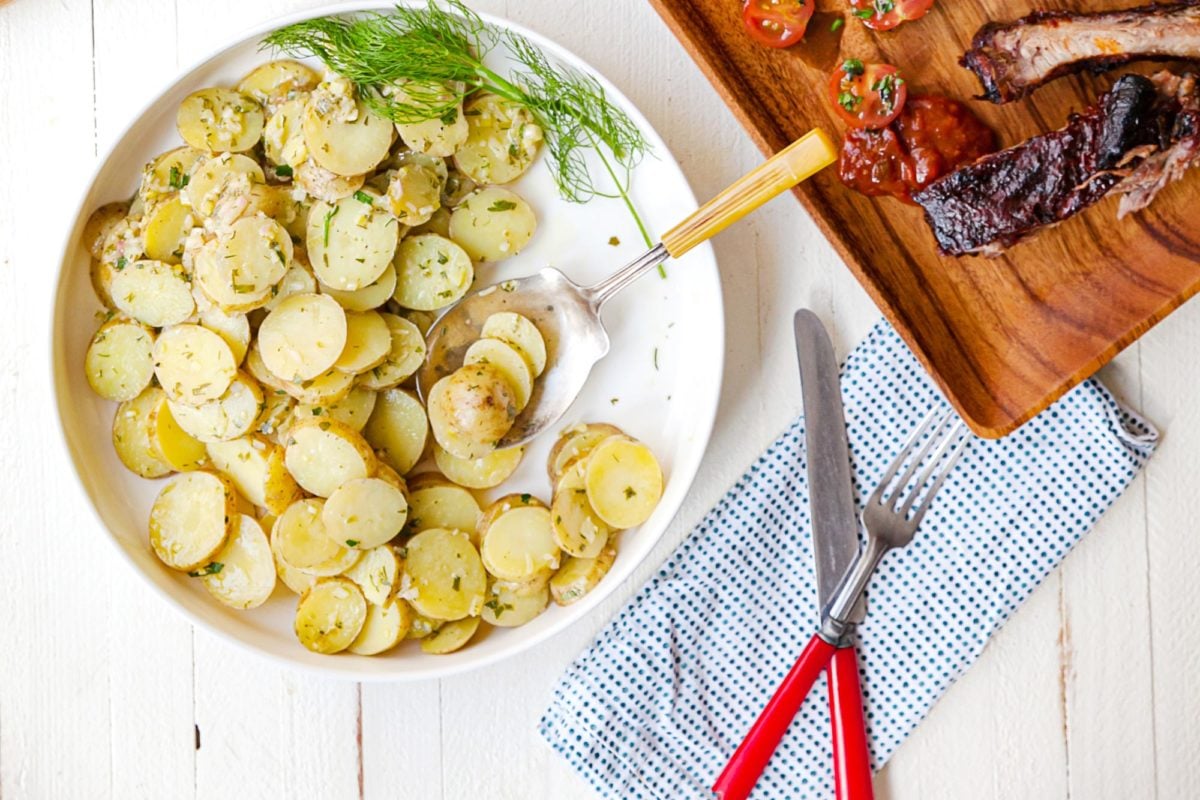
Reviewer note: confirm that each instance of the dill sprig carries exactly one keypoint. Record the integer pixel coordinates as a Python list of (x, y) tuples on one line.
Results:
[(436, 55)]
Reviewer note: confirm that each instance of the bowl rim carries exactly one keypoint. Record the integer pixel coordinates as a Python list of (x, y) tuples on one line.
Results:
[(338, 669)]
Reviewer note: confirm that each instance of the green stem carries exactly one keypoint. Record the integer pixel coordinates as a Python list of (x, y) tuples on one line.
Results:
[(625, 197)]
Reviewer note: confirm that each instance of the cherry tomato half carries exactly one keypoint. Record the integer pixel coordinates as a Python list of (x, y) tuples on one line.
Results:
[(883, 15), (777, 23), (867, 95)]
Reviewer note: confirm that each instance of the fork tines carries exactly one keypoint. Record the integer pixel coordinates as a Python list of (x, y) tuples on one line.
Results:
[(942, 437)]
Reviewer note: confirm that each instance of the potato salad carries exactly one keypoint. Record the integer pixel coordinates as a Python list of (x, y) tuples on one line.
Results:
[(267, 292)]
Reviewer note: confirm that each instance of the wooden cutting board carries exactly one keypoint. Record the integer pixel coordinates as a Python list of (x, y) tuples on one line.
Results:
[(1004, 337)]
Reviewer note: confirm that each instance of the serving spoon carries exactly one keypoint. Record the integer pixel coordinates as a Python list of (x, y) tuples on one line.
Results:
[(568, 315)]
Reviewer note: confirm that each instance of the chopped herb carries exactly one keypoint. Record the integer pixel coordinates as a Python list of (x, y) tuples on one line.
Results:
[(324, 426), (450, 117), (837, 24), (176, 179), (352, 543), (316, 412), (329, 215), (283, 171), (502, 205), (363, 197), (615, 400), (526, 497), (630, 492), (656, 358), (614, 241), (442, 258), (457, 583), (122, 262), (213, 568), (849, 101)]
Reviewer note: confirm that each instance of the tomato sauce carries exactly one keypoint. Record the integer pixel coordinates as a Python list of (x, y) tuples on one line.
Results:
[(932, 136)]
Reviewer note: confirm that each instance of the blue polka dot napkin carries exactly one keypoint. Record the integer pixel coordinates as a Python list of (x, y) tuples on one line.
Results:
[(655, 707)]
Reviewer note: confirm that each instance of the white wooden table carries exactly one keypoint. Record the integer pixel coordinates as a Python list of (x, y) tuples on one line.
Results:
[(1092, 691)]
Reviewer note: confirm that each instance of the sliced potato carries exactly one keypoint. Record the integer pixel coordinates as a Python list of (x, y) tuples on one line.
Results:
[(344, 136), (131, 435), (578, 576), (520, 334), (438, 222), (502, 140), (168, 173), (153, 292), (258, 369), (303, 337), (458, 187), (242, 574), (234, 328), (450, 637), (256, 467), (368, 342), (296, 581), (231, 415), (508, 361), (435, 502), (471, 409), (170, 443), (275, 417), (517, 538), (439, 136), (283, 138), (398, 429), (354, 409), (368, 297), (624, 482), (275, 82), (330, 615), (100, 224), (120, 360), (385, 627), (324, 454), (325, 389), (219, 179), (191, 519), (377, 573), (506, 608), (123, 245), (445, 578), (484, 472), (364, 513), (165, 227), (297, 280), (323, 184), (413, 193), (432, 272), (492, 224), (300, 539), (351, 242), (193, 365), (578, 530), (220, 120), (405, 355), (421, 626), (240, 270), (574, 443)]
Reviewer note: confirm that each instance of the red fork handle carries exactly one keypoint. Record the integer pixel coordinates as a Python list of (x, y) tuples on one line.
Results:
[(750, 759), (851, 758)]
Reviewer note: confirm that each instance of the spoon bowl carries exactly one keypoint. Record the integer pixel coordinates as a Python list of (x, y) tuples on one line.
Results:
[(568, 315)]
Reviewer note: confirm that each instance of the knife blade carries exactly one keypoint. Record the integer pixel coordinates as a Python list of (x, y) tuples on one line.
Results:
[(830, 488)]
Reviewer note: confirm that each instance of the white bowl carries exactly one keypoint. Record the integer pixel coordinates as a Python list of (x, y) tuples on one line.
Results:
[(660, 382)]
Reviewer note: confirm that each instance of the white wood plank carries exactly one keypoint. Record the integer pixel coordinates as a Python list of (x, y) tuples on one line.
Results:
[(152, 708), (54, 562), (402, 740), (1171, 374)]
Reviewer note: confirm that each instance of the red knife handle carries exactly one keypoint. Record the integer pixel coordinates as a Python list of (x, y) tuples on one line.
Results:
[(750, 759), (851, 758)]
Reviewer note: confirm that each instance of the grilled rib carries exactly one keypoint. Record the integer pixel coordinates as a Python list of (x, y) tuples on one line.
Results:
[(993, 202), (1012, 59)]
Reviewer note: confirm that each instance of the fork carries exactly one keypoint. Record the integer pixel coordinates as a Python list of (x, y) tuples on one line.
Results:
[(895, 509), (891, 517)]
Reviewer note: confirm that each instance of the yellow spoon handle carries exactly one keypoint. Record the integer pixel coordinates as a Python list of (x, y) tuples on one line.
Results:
[(809, 154)]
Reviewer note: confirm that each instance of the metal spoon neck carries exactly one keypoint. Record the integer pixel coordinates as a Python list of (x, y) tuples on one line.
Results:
[(598, 294)]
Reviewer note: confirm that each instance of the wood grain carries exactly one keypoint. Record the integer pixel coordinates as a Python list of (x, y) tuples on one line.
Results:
[(1003, 337)]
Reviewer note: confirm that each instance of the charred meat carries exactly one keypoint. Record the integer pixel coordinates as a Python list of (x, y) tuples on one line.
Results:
[(1125, 141), (1011, 59)]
